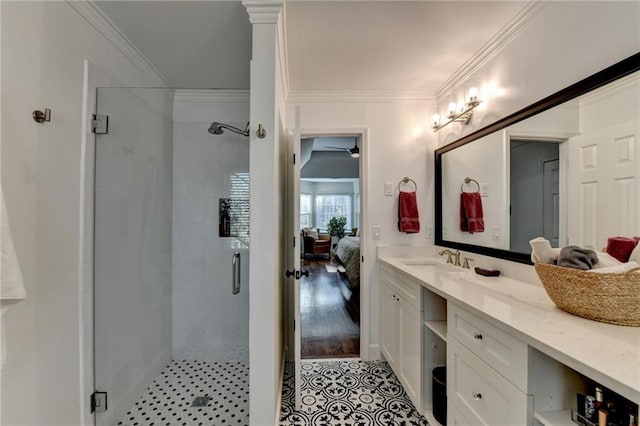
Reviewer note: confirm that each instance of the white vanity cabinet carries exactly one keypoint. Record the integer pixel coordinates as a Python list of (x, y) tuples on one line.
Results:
[(401, 342), (510, 359), (487, 372)]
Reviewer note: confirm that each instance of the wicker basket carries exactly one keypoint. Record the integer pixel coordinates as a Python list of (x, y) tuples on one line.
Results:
[(610, 298)]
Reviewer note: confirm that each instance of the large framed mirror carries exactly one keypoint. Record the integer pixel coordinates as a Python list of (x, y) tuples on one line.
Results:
[(566, 168)]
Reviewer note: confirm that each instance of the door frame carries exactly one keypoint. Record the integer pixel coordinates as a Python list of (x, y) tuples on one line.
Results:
[(561, 140), (362, 133)]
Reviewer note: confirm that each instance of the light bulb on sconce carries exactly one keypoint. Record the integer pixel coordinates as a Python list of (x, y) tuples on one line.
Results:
[(435, 120), (452, 109), (473, 94), (462, 115)]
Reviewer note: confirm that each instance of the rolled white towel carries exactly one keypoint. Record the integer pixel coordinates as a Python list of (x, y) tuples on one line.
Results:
[(541, 251), (635, 254), (619, 269), (605, 260)]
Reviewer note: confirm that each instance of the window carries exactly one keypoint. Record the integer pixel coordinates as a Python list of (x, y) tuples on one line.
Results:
[(328, 206), (305, 210)]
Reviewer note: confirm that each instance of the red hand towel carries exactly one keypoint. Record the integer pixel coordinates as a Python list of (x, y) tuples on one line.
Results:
[(408, 220), (471, 216), (621, 247)]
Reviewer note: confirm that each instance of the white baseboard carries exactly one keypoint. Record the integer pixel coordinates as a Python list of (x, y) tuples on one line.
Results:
[(374, 353), (279, 395)]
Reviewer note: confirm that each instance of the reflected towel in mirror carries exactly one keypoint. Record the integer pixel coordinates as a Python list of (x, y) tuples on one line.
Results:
[(471, 215)]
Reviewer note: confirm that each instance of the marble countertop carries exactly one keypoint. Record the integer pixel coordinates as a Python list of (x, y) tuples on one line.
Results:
[(608, 354)]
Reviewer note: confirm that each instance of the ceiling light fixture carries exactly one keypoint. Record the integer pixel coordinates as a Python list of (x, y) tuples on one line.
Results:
[(463, 115), (353, 152)]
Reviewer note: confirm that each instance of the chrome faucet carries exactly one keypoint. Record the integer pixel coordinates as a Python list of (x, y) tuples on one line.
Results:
[(456, 255), (451, 256), (465, 264)]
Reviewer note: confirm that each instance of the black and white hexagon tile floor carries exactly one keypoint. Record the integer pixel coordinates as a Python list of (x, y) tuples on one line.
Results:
[(223, 388)]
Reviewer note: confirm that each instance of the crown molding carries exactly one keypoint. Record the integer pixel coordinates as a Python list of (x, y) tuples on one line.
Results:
[(356, 96), (491, 48), (263, 11), (212, 95), (98, 20)]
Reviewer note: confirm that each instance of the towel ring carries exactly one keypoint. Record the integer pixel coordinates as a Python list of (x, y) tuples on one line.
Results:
[(469, 180), (407, 180)]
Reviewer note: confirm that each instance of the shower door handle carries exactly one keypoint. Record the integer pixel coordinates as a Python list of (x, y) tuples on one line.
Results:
[(235, 261)]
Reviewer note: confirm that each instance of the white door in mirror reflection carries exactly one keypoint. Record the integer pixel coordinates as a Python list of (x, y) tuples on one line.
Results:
[(605, 172)]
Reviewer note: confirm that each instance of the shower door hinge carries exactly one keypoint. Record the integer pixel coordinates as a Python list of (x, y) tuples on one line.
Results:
[(100, 124), (98, 402)]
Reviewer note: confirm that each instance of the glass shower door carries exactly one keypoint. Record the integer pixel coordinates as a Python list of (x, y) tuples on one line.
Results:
[(132, 246)]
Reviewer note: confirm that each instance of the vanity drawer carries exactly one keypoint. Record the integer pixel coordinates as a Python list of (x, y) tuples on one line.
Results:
[(408, 289), (482, 395), (505, 353)]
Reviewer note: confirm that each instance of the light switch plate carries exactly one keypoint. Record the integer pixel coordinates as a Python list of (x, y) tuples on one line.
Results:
[(484, 189), (429, 231), (496, 233), (376, 232), (388, 189)]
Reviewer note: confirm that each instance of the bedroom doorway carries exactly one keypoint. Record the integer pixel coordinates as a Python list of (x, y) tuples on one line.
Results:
[(330, 210)]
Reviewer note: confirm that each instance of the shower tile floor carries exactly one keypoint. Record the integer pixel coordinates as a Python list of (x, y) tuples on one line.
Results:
[(168, 400), (347, 393)]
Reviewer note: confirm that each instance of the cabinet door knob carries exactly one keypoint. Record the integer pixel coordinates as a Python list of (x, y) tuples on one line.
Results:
[(477, 336), (477, 396)]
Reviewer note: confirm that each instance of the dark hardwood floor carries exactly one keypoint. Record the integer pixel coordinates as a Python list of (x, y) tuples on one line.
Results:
[(327, 329)]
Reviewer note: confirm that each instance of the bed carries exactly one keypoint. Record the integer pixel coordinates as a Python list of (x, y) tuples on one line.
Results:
[(348, 253)]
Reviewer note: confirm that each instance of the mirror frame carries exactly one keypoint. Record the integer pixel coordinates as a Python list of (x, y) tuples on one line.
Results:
[(614, 72)]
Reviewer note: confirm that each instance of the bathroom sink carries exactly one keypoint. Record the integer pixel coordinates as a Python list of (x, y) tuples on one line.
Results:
[(429, 264)]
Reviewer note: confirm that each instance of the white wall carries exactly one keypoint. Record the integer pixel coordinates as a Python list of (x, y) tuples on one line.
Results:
[(562, 43), (44, 45), (133, 214), (399, 143), (209, 322), (267, 162)]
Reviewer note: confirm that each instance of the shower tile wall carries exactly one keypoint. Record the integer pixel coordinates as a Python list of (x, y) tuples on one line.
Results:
[(209, 322)]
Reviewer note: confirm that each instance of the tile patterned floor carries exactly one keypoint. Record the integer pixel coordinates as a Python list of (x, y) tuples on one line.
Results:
[(347, 393), (168, 401)]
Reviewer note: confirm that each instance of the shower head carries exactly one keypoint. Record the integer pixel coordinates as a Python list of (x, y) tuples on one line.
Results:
[(218, 128)]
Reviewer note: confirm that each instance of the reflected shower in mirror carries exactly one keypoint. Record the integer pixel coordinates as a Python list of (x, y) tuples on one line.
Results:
[(566, 168)]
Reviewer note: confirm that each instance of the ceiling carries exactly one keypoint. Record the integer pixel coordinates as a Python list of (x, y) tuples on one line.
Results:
[(391, 46)]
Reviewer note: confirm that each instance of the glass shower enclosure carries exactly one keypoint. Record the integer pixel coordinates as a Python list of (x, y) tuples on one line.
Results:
[(171, 241)]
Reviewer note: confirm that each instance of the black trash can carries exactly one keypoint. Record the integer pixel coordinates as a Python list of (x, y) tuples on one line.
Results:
[(439, 392)]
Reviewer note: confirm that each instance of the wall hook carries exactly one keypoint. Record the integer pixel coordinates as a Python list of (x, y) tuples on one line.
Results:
[(261, 132), (41, 117)]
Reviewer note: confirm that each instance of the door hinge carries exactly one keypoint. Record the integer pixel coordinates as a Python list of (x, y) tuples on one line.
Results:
[(98, 402), (362, 259), (294, 325), (294, 241), (100, 124), (294, 159)]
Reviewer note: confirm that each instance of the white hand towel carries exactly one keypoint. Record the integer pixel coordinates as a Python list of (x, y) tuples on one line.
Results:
[(11, 284), (541, 251), (619, 269), (605, 260)]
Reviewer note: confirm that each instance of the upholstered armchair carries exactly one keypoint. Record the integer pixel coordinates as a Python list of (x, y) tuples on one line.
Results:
[(315, 243)]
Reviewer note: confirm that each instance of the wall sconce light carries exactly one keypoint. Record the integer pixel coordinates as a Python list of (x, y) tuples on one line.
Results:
[(462, 115)]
